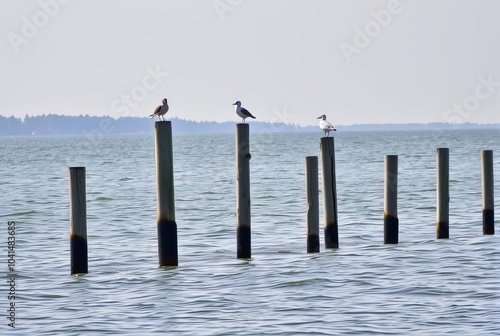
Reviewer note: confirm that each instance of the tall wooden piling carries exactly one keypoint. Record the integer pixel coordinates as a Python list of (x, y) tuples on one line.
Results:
[(166, 225), (487, 182), (312, 200), (443, 194), (243, 217), (391, 221), (78, 220), (329, 192)]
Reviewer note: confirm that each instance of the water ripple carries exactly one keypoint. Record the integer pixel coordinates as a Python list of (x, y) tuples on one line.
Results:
[(421, 286)]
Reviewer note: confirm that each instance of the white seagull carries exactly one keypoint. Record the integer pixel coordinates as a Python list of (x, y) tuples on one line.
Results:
[(242, 112), (325, 125), (161, 110)]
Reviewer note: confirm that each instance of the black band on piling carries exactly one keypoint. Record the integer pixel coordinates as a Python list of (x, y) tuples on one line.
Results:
[(443, 230), (167, 243), (332, 235), (243, 242), (488, 221), (313, 243), (79, 252), (391, 229)]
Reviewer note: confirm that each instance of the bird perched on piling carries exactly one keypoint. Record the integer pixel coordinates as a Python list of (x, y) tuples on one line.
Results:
[(161, 110), (325, 125), (242, 112)]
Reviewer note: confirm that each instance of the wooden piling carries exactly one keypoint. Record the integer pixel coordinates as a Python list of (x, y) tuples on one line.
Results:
[(329, 192), (312, 200), (166, 225), (487, 187), (243, 216), (78, 220), (443, 194), (391, 221)]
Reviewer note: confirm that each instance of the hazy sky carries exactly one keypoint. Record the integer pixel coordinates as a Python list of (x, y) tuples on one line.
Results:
[(357, 61)]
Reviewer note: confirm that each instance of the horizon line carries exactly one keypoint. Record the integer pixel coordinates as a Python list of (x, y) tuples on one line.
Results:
[(256, 121)]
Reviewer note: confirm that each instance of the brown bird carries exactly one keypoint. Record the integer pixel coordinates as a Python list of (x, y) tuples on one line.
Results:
[(161, 110)]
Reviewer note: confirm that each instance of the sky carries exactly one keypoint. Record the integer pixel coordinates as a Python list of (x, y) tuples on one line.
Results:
[(357, 61)]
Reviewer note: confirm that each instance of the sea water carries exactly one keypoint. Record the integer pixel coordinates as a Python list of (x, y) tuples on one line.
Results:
[(421, 286)]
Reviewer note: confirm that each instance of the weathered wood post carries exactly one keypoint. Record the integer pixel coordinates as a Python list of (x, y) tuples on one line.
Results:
[(443, 194), (312, 200), (488, 197), (329, 192), (78, 220), (166, 225), (391, 221), (243, 217)]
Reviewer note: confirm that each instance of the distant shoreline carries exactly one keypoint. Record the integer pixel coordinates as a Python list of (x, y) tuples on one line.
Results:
[(92, 125)]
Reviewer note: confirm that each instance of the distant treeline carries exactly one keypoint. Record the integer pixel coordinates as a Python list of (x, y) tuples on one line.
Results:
[(53, 124)]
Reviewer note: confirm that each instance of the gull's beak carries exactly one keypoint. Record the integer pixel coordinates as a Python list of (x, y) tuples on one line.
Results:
[(234, 104), (319, 117)]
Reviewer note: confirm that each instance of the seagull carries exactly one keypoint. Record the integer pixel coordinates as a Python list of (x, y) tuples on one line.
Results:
[(161, 110), (325, 125), (242, 112)]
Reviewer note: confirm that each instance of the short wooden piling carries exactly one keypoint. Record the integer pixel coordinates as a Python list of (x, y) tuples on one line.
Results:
[(78, 220), (243, 217), (487, 187), (443, 194), (312, 200), (391, 221), (166, 225), (329, 192)]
